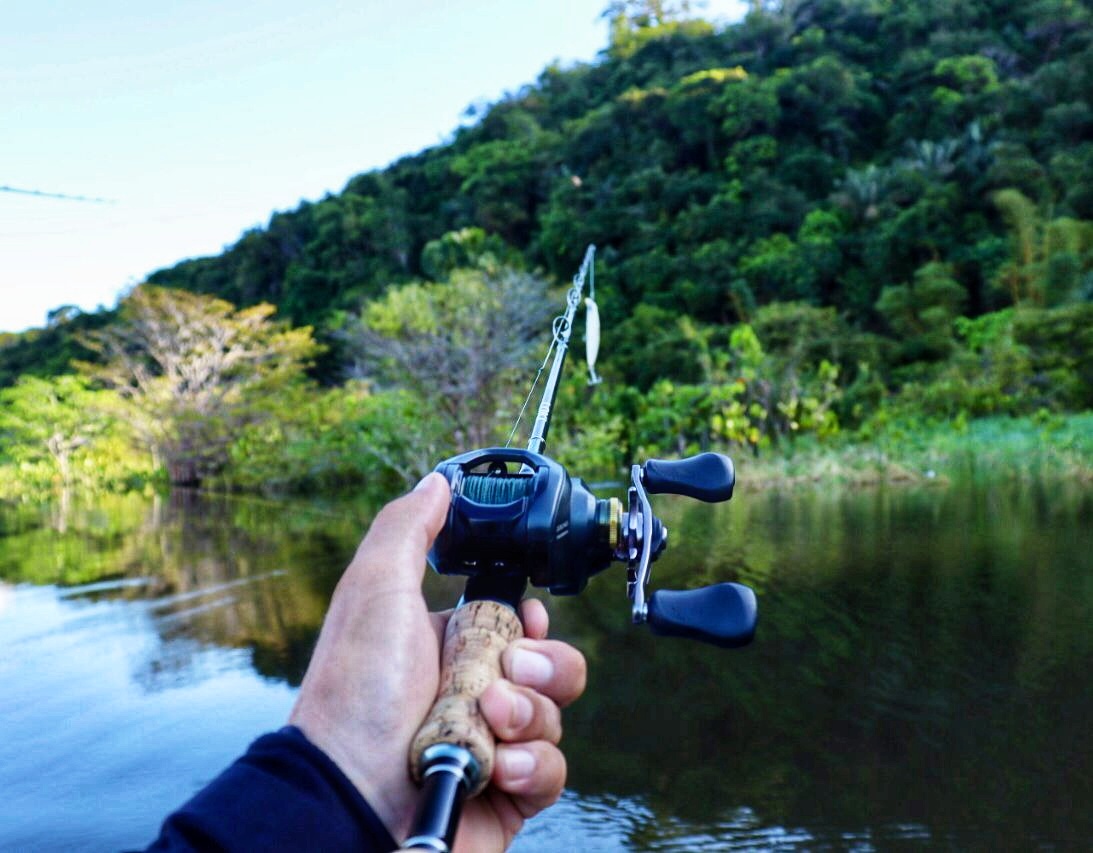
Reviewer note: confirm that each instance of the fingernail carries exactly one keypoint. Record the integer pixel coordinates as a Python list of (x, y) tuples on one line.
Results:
[(516, 763), (531, 668), (421, 482), (521, 710)]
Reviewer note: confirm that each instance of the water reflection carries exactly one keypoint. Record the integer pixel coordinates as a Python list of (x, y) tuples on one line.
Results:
[(920, 676), (922, 660)]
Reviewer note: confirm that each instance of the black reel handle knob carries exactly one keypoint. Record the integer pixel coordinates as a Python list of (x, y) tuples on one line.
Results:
[(723, 614), (708, 477)]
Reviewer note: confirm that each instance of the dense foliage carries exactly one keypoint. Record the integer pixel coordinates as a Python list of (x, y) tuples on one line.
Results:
[(822, 153), (833, 214)]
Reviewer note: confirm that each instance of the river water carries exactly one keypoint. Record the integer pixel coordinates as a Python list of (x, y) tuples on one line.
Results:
[(920, 678)]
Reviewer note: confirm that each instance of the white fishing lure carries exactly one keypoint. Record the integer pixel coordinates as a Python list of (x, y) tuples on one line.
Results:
[(592, 339)]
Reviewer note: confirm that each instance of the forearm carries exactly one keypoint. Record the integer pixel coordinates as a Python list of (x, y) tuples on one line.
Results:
[(284, 793)]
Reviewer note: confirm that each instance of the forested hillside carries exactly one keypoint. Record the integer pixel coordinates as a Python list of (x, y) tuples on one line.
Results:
[(830, 209), (821, 153)]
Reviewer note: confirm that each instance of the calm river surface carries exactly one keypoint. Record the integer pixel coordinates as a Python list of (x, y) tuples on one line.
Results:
[(921, 676)]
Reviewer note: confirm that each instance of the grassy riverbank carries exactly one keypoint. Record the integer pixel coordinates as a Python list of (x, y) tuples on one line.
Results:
[(1019, 448), (924, 453)]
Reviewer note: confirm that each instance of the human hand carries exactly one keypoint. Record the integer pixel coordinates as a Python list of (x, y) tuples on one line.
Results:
[(375, 673)]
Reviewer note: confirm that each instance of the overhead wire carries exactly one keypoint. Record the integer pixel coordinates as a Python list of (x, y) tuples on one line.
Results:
[(59, 196)]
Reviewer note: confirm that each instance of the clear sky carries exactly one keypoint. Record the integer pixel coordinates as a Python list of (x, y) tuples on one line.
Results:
[(199, 118)]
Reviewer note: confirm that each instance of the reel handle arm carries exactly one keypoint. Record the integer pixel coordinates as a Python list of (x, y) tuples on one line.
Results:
[(724, 614), (706, 477)]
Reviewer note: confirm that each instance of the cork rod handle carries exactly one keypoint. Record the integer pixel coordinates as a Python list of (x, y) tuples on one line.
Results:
[(477, 634)]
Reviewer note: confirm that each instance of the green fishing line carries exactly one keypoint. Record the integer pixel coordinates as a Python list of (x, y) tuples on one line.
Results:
[(494, 489)]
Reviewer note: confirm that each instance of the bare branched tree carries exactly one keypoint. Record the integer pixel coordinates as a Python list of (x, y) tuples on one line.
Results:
[(465, 347)]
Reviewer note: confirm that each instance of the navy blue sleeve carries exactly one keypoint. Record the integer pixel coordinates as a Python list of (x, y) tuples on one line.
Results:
[(284, 793)]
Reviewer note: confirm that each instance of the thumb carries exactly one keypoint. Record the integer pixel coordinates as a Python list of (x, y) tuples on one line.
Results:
[(394, 548)]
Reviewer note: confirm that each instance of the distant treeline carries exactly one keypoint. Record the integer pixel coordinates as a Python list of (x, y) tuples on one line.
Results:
[(829, 209)]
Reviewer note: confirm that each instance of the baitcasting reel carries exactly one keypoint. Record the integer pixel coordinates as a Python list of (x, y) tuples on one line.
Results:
[(518, 516)]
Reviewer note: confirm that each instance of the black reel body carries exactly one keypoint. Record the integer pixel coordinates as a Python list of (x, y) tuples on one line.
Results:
[(517, 513), (518, 516)]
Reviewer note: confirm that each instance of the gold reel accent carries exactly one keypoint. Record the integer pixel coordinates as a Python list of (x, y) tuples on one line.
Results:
[(614, 526)]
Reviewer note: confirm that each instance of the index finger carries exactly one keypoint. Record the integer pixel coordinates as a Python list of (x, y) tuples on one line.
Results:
[(534, 616)]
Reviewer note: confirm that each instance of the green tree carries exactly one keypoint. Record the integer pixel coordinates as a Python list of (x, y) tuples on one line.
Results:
[(654, 343), (967, 85), (922, 313), (466, 248), (60, 433), (1049, 259), (630, 15), (779, 267), (502, 182), (49, 419)]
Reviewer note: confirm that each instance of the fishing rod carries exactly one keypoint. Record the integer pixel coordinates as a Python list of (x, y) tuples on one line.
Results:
[(563, 328), (517, 516)]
